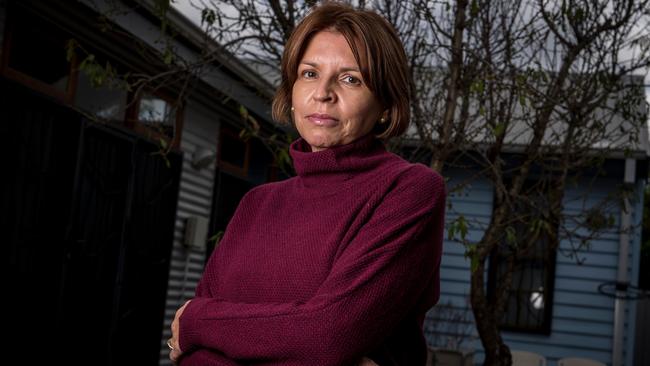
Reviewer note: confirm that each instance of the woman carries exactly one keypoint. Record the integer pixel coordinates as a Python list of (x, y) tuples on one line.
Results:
[(341, 261)]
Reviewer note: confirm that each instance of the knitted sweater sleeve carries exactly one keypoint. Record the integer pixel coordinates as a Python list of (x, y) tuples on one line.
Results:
[(374, 283)]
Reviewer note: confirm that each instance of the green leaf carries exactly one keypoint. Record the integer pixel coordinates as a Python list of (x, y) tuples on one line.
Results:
[(511, 235), (451, 231), (522, 100), (162, 6), (163, 143), (463, 227), (458, 226), (70, 47), (282, 157), (243, 112), (472, 254), (475, 8), (208, 16), (475, 262), (578, 15), (478, 86), (216, 237), (520, 80), (499, 129), (168, 57)]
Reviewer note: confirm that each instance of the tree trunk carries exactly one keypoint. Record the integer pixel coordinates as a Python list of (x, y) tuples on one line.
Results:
[(496, 351), (486, 313), (455, 70)]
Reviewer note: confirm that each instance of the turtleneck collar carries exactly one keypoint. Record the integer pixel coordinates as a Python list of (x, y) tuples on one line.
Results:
[(336, 164)]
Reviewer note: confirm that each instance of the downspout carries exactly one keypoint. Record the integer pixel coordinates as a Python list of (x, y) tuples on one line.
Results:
[(621, 276)]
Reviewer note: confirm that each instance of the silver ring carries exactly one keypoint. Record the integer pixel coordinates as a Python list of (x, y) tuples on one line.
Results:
[(169, 344)]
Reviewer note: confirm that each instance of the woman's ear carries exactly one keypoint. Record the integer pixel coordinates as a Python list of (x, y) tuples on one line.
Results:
[(384, 116)]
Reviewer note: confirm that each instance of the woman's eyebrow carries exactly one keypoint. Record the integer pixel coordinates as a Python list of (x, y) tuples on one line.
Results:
[(342, 69)]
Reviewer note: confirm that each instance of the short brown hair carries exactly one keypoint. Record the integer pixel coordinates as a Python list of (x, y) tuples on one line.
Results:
[(376, 48)]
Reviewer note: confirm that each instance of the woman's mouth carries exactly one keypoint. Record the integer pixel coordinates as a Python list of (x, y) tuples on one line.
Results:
[(324, 120)]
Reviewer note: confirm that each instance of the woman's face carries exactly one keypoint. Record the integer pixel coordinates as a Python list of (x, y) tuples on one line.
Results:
[(332, 104)]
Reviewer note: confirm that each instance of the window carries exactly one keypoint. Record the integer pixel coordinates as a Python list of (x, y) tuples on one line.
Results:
[(156, 116), (530, 299), (34, 53), (107, 102), (234, 153)]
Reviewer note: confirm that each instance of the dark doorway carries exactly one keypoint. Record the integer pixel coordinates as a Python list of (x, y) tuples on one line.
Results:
[(88, 215)]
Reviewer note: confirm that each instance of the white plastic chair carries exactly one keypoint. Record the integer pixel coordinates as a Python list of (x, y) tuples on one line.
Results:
[(525, 358), (575, 361), (447, 357)]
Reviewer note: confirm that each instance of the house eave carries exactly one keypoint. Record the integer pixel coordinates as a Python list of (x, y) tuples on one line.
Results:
[(196, 37)]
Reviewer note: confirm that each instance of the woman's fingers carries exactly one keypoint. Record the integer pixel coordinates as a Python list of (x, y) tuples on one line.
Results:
[(174, 347)]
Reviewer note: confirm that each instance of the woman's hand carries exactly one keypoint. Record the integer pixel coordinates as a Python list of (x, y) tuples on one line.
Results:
[(175, 351), (366, 362)]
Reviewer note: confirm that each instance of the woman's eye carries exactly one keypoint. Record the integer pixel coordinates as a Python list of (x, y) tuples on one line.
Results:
[(308, 74), (351, 80)]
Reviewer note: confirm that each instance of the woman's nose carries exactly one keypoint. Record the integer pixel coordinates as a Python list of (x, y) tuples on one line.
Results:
[(324, 92)]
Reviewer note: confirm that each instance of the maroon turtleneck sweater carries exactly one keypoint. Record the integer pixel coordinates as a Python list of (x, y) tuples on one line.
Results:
[(334, 264)]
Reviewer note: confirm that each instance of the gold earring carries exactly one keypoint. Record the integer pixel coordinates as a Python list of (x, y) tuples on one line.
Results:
[(293, 109)]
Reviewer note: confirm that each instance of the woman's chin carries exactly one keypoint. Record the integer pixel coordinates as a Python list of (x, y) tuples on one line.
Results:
[(319, 143)]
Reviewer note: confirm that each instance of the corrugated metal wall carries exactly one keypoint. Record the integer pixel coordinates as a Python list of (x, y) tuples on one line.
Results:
[(583, 318), (195, 199)]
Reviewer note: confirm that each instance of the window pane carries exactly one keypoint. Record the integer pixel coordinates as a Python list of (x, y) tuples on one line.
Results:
[(38, 50), (529, 301), (526, 302), (104, 102), (233, 150), (157, 113)]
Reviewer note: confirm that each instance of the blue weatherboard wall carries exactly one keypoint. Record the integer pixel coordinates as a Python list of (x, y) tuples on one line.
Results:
[(583, 319)]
